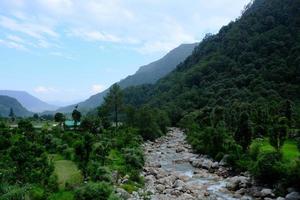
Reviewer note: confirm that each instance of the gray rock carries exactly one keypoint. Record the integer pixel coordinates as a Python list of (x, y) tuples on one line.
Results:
[(293, 196), (223, 162), (160, 188), (123, 194), (267, 193)]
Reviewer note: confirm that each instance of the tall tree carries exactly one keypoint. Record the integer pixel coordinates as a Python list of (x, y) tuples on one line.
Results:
[(60, 118), (76, 115), (12, 115), (243, 134), (114, 101), (278, 134)]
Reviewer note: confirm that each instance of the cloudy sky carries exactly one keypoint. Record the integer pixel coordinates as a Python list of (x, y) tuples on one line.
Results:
[(67, 50)]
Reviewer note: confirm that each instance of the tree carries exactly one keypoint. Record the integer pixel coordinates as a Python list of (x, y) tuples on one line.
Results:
[(243, 134), (288, 112), (59, 117), (114, 101), (278, 134), (36, 116), (12, 115), (76, 115)]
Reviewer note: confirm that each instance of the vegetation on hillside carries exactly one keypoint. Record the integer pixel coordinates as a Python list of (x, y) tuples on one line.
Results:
[(240, 85)]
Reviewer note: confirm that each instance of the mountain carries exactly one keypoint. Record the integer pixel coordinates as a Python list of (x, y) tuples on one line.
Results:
[(28, 101), (146, 74), (6, 103), (252, 64)]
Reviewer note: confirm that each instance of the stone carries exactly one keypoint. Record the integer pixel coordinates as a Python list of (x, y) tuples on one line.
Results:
[(223, 162), (237, 182), (160, 188), (293, 196), (179, 184), (123, 194), (267, 193)]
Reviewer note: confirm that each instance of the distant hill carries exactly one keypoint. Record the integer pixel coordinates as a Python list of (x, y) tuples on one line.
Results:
[(7, 102), (147, 74), (28, 101)]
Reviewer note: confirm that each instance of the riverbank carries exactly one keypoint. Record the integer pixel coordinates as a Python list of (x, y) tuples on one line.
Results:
[(173, 171)]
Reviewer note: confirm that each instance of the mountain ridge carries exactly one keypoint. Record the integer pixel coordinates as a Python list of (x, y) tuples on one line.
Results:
[(29, 101), (146, 74)]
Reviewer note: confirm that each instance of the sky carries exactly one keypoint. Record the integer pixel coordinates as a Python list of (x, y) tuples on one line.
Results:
[(63, 51)]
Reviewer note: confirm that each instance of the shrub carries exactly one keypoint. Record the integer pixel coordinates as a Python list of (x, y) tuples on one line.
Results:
[(255, 148), (98, 172), (268, 169), (36, 193), (93, 191)]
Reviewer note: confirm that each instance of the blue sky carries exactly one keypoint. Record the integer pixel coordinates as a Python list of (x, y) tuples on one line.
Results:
[(66, 50)]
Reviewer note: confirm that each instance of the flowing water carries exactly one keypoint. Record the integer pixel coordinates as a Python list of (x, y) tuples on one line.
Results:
[(171, 155)]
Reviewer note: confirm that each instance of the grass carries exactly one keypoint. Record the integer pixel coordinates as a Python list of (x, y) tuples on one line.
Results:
[(64, 195), (289, 150), (66, 171)]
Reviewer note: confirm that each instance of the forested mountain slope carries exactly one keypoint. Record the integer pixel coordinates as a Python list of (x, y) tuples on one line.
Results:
[(146, 74), (254, 60), (6, 103)]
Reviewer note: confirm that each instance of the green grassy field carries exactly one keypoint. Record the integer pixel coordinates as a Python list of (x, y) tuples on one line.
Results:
[(289, 150), (66, 171)]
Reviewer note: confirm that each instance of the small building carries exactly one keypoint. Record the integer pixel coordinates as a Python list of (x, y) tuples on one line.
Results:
[(70, 124)]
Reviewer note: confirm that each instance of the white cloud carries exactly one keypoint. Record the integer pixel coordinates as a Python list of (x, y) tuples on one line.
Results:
[(149, 26), (97, 88), (13, 45), (92, 35), (44, 90), (35, 30)]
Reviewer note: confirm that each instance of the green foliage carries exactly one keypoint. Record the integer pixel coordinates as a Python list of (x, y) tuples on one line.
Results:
[(268, 168), (279, 133), (114, 102), (93, 191), (244, 133)]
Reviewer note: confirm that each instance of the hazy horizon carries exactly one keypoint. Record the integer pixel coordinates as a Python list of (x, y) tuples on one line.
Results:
[(54, 51)]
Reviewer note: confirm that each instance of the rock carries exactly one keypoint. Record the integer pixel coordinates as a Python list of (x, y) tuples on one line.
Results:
[(241, 191), (207, 164), (266, 193), (179, 184), (223, 162), (237, 182), (246, 198), (180, 149), (123, 194), (280, 198), (160, 188), (186, 197), (293, 196), (215, 165), (167, 181)]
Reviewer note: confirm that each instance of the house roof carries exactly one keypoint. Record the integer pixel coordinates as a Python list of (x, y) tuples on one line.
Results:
[(71, 123)]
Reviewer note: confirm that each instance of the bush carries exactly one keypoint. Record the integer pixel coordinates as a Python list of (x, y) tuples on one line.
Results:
[(99, 173), (36, 193), (294, 175), (93, 191), (255, 148), (268, 168)]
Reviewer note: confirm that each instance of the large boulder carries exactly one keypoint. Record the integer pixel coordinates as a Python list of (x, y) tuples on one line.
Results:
[(293, 196), (237, 182), (123, 194)]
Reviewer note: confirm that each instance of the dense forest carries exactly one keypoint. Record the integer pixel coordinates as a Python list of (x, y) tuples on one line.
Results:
[(239, 92)]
